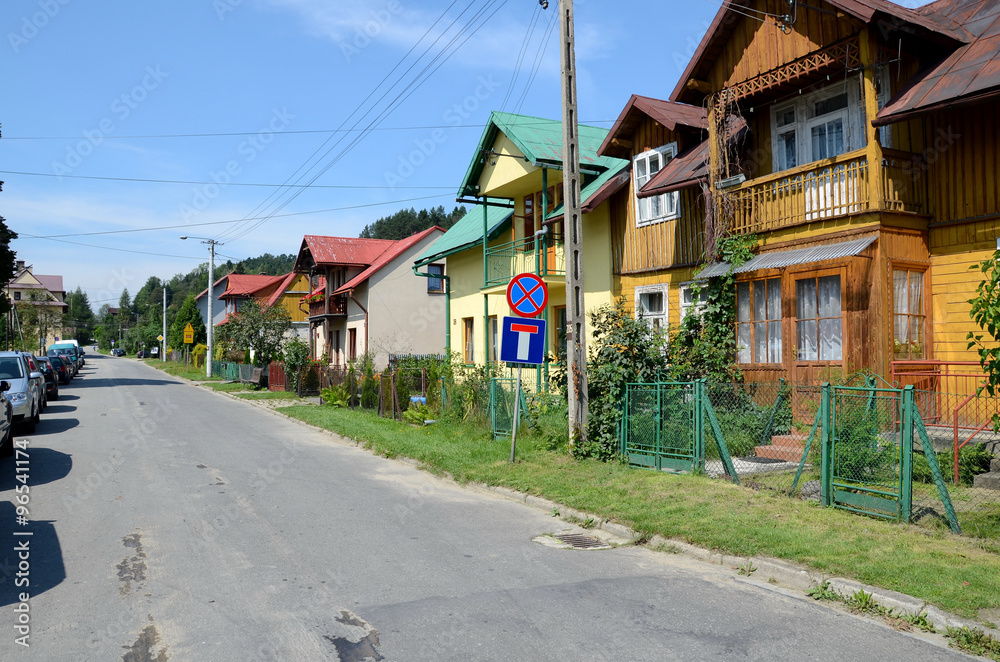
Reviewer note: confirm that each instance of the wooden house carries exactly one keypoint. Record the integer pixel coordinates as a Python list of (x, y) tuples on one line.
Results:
[(859, 141)]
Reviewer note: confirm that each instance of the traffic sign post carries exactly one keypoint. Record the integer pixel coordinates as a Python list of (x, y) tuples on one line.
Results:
[(523, 340)]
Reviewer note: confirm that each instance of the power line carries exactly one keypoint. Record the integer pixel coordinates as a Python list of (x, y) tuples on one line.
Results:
[(277, 133), (182, 181), (539, 56), (520, 55), (237, 220)]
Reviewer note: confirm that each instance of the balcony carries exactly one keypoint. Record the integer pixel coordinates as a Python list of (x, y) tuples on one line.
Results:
[(505, 261), (338, 306), (828, 189)]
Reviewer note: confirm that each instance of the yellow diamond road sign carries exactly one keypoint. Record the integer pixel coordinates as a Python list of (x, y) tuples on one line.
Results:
[(160, 338), (189, 333)]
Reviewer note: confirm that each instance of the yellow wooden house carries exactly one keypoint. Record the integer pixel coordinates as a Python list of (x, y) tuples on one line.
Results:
[(859, 141), (514, 187)]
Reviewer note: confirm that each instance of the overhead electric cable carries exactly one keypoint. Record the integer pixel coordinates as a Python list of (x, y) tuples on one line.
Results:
[(183, 181)]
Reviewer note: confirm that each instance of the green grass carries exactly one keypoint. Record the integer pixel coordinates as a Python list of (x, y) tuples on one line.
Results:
[(267, 395), (178, 370), (229, 387), (957, 574)]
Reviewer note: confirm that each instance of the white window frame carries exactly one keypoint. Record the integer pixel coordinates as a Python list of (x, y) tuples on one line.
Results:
[(650, 318), (698, 305), (805, 118), (669, 202)]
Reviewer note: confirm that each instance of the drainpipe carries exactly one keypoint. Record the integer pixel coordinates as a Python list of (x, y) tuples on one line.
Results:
[(447, 305), (486, 297)]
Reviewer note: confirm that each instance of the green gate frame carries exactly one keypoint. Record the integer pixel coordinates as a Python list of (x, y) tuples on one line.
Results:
[(501, 421)]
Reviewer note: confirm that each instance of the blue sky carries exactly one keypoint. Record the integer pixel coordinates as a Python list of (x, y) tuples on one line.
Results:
[(118, 89)]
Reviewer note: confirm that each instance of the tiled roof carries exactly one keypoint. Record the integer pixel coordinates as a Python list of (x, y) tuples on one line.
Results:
[(467, 232), (388, 256)]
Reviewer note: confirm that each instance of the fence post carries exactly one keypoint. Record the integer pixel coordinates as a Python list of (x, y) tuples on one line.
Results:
[(906, 461), (622, 421), (826, 463), (658, 426)]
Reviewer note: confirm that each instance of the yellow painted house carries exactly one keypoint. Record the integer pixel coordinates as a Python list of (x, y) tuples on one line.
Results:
[(859, 141), (514, 185)]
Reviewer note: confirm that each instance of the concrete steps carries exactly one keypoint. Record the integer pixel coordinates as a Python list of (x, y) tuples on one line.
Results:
[(787, 447), (990, 481)]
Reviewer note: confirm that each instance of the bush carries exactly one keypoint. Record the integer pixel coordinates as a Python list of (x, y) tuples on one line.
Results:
[(972, 460), (198, 355), (369, 389), (548, 420), (335, 396)]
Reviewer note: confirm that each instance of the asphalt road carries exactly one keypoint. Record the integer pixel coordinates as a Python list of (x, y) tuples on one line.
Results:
[(171, 523)]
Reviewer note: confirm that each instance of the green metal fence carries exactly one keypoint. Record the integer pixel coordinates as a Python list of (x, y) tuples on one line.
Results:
[(849, 447), (502, 406)]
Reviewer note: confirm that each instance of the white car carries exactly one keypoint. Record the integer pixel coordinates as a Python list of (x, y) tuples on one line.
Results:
[(23, 394)]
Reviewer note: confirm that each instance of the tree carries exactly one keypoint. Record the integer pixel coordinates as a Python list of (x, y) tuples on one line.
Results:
[(8, 261), (80, 316), (259, 328), (188, 314), (39, 318), (408, 222), (985, 312)]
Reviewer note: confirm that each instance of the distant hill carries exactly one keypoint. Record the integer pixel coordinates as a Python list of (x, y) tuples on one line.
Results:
[(407, 222)]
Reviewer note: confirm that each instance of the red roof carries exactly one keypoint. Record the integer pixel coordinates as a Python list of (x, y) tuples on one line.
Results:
[(205, 291), (398, 248), (285, 282), (345, 250), (687, 168), (971, 72), (243, 285), (667, 113)]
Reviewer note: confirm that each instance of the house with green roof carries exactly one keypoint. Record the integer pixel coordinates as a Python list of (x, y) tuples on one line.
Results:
[(516, 225)]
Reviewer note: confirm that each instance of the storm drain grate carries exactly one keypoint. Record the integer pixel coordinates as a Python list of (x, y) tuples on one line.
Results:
[(581, 541)]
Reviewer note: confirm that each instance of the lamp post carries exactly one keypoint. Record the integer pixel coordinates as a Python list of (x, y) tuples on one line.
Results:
[(212, 243)]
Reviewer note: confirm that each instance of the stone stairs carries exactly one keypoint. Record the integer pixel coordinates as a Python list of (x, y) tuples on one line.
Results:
[(787, 447), (990, 481)]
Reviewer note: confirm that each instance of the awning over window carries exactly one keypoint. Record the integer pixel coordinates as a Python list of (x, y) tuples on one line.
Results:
[(779, 259)]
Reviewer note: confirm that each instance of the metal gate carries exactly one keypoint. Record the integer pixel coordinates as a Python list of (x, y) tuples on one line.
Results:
[(868, 451), (661, 426)]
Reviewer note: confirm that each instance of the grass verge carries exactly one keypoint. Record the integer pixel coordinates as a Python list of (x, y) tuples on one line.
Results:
[(267, 395), (179, 370), (954, 573)]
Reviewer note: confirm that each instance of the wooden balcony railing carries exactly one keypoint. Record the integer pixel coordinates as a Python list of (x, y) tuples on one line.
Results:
[(505, 261), (338, 306), (828, 189)]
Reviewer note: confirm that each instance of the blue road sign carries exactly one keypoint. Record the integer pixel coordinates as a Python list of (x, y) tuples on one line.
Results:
[(522, 340), (527, 295)]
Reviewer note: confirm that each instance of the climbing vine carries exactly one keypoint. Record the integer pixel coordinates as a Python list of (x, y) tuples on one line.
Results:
[(705, 343)]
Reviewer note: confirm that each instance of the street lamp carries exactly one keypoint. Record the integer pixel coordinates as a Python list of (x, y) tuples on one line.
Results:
[(212, 243)]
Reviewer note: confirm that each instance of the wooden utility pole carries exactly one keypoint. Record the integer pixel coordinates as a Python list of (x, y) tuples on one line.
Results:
[(576, 355)]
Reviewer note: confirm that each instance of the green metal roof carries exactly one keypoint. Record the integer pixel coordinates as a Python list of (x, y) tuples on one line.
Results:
[(467, 232), (540, 140)]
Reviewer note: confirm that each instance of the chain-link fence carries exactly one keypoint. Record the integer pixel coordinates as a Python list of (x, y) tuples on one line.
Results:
[(867, 448)]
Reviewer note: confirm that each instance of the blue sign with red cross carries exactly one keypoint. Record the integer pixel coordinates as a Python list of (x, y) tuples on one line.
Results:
[(527, 295), (522, 340)]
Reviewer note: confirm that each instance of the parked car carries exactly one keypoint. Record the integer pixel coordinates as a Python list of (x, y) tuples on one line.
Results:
[(60, 368), (118, 351), (68, 354), (51, 378), (37, 380), (21, 394), (6, 422)]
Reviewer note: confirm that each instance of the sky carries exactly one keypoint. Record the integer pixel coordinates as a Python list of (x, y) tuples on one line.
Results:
[(126, 125)]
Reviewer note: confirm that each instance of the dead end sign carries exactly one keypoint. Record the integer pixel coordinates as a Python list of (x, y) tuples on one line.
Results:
[(527, 295), (522, 341)]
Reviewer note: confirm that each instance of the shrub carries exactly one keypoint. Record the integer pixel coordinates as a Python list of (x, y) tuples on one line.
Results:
[(198, 355), (369, 389), (972, 460), (335, 396)]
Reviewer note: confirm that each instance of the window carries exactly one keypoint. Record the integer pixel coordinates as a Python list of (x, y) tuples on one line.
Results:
[(352, 341), (17, 295), (816, 126), (435, 284), (560, 329), (693, 297), (493, 338), (818, 325), (335, 350), (659, 207), (468, 324), (908, 314), (651, 305), (529, 217), (758, 321)]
